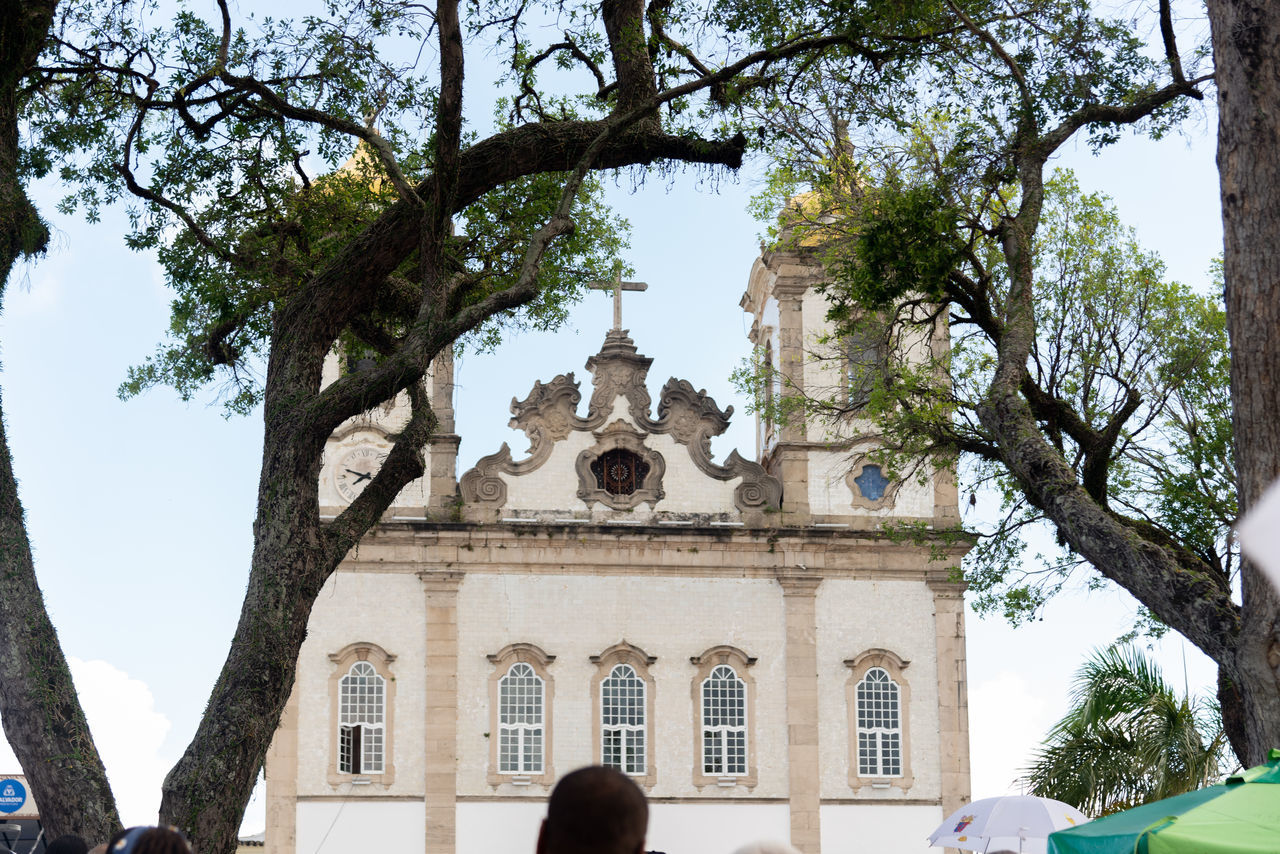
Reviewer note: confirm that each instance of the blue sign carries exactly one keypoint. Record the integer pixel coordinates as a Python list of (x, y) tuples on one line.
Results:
[(12, 795)]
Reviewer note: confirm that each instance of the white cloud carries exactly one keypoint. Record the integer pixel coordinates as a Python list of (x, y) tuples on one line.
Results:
[(1007, 721), (128, 732)]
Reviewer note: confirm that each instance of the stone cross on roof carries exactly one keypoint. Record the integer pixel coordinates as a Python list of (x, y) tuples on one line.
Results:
[(617, 286)]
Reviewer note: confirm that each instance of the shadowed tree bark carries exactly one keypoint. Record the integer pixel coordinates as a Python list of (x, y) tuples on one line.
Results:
[(41, 712), (1246, 52)]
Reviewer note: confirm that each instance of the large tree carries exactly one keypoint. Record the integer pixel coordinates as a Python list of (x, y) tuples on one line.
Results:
[(939, 179), (1246, 52), (44, 713), (428, 235)]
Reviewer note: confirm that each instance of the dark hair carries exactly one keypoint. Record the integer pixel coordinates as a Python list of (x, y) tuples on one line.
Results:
[(148, 840), (596, 810), (67, 843)]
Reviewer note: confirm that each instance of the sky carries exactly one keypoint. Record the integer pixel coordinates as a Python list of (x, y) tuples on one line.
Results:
[(140, 511)]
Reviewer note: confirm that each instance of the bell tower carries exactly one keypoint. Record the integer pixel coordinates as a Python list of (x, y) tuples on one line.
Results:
[(830, 476)]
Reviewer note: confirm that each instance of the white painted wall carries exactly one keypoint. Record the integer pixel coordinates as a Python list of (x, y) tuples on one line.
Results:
[(498, 828), (870, 829), (345, 827), (512, 828), (829, 492), (574, 617), (713, 828), (354, 607), (854, 616)]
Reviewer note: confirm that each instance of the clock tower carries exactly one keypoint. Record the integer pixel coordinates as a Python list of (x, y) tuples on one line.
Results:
[(356, 450)]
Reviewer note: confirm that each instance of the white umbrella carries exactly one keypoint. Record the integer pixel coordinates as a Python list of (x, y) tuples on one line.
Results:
[(1020, 823)]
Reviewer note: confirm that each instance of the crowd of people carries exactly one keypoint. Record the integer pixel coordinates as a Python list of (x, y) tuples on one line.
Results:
[(593, 810), (131, 840)]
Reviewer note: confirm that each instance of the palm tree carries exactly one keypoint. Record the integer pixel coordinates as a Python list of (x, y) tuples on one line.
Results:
[(1128, 739)]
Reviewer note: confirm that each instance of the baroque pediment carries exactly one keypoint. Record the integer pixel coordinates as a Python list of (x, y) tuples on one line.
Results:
[(691, 418)]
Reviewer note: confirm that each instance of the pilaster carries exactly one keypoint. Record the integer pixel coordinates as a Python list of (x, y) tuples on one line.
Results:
[(443, 444), (946, 498), (799, 592), (443, 473), (792, 458), (281, 773), (441, 723), (953, 694)]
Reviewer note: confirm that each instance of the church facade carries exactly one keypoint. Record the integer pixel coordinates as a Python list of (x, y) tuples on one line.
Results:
[(741, 637)]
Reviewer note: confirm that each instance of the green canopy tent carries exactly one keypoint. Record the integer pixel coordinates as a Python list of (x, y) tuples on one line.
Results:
[(1240, 816)]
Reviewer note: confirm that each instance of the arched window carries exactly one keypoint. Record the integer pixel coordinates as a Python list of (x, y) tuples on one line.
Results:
[(724, 699), (623, 727), (520, 721), (866, 363), (879, 703), (622, 721), (363, 715), (724, 723), (879, 726), (520, 717)]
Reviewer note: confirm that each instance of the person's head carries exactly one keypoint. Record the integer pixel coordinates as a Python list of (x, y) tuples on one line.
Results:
[(148, 840), (595, 810), (67, 843)]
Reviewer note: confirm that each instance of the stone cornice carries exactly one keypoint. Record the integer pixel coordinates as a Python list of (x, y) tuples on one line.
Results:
[(798, 581), (441, 580)]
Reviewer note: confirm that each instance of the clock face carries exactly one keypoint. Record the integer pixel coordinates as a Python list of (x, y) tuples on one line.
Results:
[(356, 468)]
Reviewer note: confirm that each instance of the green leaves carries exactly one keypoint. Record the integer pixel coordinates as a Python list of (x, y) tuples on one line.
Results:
[(1128, 739), (904, 243)]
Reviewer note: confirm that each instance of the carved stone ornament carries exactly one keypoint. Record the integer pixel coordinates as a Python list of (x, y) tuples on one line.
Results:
[(691, 417), (618, 370), (619, 434), (869, 488), (546, 416)]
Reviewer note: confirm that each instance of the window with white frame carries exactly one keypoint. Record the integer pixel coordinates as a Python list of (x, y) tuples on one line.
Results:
[(879, 714), (520, 721), (622, 721), (361, 720), (724, 723)]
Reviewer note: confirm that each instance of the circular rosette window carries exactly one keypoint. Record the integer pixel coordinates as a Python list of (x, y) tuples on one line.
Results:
[(620, 472)]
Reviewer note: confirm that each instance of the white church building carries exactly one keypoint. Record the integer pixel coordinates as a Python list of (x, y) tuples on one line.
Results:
[(741, 637)]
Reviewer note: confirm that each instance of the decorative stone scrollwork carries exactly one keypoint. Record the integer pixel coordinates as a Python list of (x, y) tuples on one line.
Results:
[(692, 418), (546, 416), (481, 485), (759, 490), (618, 370), (619, 434), (550, 412)]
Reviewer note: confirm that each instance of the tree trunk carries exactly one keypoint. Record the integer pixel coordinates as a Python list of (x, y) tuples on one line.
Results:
[(205, 794), (1183, 593), (43, 720), (1246, 49)]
